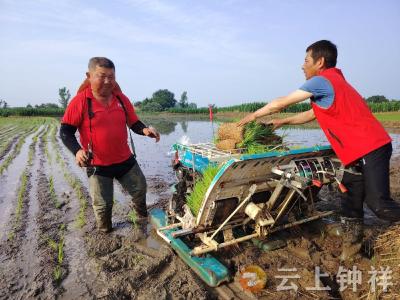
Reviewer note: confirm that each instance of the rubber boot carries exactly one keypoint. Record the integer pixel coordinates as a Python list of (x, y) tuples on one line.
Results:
[(103, 221), (352, 237), (140, 228)]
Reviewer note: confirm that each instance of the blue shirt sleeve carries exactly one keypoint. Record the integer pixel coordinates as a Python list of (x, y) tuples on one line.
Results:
[(322, 90)]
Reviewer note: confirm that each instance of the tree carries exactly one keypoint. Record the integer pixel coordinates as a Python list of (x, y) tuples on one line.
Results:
[(377, 99), (152, 106), (47, 105), (192, 105), (183, 102), (29, 105), (137, 104), (164, 98), (64, 96), (3, 104)]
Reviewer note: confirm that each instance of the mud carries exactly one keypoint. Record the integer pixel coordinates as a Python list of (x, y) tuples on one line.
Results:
[(8, 148), (120, 265)]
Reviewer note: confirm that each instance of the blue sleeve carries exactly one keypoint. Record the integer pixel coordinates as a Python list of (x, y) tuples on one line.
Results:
[(323, 93)]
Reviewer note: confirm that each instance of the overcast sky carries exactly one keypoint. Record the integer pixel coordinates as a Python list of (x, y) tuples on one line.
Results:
[(219, 51)]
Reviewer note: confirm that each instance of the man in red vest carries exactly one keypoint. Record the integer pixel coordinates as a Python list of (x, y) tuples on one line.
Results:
[(357, 138), (101, 113)]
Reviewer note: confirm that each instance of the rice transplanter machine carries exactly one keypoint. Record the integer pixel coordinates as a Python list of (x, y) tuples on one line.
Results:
[(251, 196)]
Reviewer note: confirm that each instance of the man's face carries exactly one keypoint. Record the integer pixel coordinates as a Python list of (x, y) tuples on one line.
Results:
[(102, 80), (310, 67)]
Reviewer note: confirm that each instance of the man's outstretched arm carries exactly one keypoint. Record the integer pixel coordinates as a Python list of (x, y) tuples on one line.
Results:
[(276, 105), (297, 119), (140, 128)]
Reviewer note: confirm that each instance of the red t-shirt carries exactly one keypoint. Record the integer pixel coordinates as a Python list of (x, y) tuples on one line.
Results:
[(109, 133)]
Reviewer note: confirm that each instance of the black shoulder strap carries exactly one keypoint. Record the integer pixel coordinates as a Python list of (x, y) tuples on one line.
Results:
[(126, 118), (90, 112), (123, 107)]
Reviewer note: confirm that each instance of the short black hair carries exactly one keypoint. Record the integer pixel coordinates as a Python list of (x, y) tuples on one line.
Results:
[(101, 62), (325, 49)]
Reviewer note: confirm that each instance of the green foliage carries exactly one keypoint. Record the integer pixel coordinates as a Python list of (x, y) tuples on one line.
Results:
[(3, 104), (165, 98), (31, 112), (189, 110), (385, 106), (195, 199), (160, 101), (377, 99), (47, 105), (151, 106), (183, 102), (65, 95)]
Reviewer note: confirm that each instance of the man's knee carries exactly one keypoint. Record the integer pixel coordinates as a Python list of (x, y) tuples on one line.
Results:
[(135, 181), (101, 192)]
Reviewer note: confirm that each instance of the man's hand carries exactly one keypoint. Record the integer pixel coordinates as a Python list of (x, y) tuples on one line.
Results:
[(276, 123), (247, 119), (81, 158), (151, 132)]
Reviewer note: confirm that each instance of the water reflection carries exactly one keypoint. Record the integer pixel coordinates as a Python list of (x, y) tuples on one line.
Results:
[(184, 125), (164, 126)]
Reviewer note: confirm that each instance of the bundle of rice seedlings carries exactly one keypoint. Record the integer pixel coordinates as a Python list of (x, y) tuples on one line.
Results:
[(230, 131), (228, 144), (195, 199), (258, 137)]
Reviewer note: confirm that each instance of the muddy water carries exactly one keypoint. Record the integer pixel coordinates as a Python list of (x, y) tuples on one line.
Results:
[(9, 182), (31, 240)]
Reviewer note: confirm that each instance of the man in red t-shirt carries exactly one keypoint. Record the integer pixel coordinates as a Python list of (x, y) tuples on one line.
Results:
[(357, 138), (101, 112)]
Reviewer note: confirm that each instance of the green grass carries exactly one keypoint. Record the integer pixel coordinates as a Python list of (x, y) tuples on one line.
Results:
[(389, 116), (195, 199)]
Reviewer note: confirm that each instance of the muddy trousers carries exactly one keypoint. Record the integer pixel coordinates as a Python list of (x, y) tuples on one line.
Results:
[(372, 186), (102, 191)]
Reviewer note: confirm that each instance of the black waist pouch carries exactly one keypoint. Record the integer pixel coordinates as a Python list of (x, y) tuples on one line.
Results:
[(112, 171)]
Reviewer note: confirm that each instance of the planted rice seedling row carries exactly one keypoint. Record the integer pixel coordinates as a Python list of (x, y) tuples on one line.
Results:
[(74, 183), (23, 188), (15, 152)]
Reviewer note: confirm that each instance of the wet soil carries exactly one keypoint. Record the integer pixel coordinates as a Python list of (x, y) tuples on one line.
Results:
[(122, 265)]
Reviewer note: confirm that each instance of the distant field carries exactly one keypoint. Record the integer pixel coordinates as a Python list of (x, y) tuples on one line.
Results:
[(389, 116)]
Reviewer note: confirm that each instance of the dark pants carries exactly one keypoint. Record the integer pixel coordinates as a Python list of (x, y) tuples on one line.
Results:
[(102, 191), (373, 187)]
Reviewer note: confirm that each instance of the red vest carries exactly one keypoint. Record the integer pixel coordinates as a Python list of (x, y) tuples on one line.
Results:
[(348, 123)]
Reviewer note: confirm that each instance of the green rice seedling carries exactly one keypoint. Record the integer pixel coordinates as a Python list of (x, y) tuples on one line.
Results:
[(132, 216), (21, 194), (195, 199), (53, 194), (57, 273), (60, 256), (52, 244), (256, 136)]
